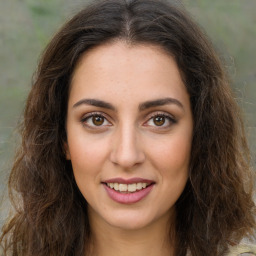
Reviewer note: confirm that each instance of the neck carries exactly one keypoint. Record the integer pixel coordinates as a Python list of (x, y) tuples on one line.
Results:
[(154, 239)]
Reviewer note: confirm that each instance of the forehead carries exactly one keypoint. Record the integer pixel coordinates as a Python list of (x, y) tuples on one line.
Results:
[(135, 71)]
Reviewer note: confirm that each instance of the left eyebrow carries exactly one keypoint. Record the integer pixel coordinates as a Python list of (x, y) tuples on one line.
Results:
[(94, 102), (160, 102)]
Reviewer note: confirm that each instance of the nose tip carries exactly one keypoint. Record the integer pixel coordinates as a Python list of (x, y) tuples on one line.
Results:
[(127, 151)]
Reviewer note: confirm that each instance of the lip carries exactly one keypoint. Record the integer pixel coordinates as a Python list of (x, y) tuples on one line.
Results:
[(128, 198), (128, 181)]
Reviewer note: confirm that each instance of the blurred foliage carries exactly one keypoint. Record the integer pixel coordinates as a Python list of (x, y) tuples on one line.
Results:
[(231, 25), (27, 25)]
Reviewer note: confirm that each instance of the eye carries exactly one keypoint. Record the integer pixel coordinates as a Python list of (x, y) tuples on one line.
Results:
[(160, 120), (95, 120)]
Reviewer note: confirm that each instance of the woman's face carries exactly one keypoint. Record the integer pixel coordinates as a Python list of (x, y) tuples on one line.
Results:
[(129, 132)]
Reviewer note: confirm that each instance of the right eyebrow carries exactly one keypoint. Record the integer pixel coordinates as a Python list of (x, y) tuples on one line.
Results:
[(160, 102), (96, 103)]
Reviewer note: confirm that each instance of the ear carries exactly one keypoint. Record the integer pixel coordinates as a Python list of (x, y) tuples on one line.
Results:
[(66, 149)]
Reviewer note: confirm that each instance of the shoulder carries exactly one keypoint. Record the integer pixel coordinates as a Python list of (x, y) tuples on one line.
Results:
[(243, 250)]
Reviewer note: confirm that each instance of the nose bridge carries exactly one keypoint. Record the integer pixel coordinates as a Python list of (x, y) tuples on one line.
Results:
[(127, 150)]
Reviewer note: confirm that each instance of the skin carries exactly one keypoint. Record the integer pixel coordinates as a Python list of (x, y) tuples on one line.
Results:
[(127, 141)]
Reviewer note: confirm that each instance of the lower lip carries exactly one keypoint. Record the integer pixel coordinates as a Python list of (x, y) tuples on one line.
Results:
[(128, 198)]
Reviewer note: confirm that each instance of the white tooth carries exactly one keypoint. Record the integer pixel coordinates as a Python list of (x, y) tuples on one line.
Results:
[(144, 185), (122, 187), (139, 186), (111, 185), (132, 187), (116, 186)]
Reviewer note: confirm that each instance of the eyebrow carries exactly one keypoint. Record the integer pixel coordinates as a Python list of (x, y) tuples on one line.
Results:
[(160, 102), (142, 106), (96, 103)]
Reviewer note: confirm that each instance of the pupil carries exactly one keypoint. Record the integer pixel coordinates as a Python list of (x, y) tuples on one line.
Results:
[(97, 120), (159, 120)]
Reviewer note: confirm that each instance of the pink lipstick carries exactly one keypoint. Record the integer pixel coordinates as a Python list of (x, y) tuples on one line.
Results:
[(128, 191)]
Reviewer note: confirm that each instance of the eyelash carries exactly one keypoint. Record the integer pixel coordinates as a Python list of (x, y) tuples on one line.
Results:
[(166, 116), (85, 119)]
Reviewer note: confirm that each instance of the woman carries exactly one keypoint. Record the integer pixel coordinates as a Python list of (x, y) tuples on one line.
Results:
[(132, 142)]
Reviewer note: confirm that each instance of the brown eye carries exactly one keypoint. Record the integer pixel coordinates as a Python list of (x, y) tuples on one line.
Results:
[(97, 120), (94, 120), (159, 120)]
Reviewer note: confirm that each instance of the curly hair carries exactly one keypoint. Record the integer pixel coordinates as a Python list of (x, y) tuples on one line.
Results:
[(216, 208)]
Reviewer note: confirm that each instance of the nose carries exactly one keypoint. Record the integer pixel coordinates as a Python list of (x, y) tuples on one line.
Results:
[(127, 151)]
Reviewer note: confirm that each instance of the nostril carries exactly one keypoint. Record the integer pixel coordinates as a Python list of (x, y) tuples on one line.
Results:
[(127, 159)]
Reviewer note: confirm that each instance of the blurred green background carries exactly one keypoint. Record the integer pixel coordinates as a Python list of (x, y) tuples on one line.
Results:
[(27, 25)]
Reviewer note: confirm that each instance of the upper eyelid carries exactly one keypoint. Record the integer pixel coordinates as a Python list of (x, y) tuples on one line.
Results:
[(159, 113), (171, 118), (147, 116), (89, 115), (95, 113)]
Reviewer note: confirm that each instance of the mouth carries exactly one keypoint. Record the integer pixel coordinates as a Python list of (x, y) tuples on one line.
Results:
[(128, 191), (128, 188)]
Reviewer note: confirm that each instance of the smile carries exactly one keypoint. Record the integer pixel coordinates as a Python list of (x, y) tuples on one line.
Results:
[(127, 188), (128, 191)]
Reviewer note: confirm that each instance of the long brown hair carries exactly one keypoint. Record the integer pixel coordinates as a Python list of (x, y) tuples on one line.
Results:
[(216, 208)]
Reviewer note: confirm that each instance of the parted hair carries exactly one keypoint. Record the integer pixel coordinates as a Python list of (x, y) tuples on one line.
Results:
[(215, 210)]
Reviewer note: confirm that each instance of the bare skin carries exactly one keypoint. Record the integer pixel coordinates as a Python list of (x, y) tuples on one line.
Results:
[(149, 241), (129, 122)]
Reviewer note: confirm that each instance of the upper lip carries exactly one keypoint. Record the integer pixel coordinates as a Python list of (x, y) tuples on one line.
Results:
[(128, 181)]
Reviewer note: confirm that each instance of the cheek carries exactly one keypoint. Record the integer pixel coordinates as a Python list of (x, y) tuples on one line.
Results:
[(87, 158), (87, 155), (173, 164), (173, 154)]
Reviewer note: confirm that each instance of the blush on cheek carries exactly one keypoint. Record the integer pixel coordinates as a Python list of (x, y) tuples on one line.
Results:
[(87, 149), (174, 154)]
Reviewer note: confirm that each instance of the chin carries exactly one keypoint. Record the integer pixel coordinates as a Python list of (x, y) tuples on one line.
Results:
[(130, 220), (128, 224)]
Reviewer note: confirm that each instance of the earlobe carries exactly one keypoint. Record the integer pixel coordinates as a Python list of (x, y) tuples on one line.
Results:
[(67, 153)]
